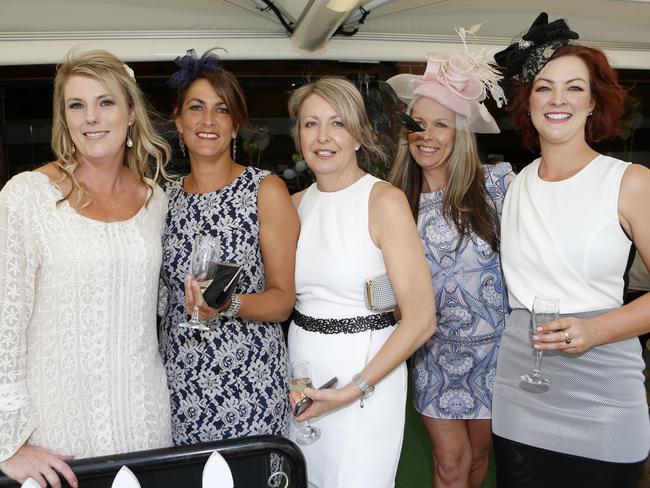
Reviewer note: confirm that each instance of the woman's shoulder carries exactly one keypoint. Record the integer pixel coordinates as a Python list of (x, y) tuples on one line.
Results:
[(385, 197), (172, 188), (498, 177), (636, 179), (26, 185), (254, 177), (254, 171), (158, 193), (498, 170)]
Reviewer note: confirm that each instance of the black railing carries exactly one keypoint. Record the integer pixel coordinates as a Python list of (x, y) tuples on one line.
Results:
[(182, 467)]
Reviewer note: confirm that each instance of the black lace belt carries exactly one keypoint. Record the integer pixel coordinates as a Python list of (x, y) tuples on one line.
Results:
[(345, 326)]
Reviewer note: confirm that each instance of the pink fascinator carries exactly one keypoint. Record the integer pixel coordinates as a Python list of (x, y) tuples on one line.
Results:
[(459, 81)]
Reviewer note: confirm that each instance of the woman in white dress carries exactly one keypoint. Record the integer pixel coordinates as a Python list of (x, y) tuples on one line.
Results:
[(353, 227), (80, 247)]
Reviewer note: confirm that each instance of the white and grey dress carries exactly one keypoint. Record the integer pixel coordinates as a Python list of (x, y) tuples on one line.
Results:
[(563, 239)]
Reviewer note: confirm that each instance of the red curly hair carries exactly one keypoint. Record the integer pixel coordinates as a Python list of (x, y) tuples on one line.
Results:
[(607, 93)]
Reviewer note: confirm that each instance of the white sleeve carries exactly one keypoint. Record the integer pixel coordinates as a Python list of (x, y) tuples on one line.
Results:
[(18, 267)]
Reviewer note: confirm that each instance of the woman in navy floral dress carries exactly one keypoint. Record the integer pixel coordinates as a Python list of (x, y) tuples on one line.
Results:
[(232, 380), (457, 202)]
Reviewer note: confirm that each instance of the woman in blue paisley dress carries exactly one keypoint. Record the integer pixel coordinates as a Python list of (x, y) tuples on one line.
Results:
[(232, 380), (456, 201)]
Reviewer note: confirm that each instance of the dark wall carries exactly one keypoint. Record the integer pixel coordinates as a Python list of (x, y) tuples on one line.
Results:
[(26, 108)]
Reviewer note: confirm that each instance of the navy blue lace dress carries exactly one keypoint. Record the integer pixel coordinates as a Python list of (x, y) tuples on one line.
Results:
[(231, 381)]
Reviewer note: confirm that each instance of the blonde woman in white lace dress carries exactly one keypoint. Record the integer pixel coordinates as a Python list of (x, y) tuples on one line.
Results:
[(80, 373)]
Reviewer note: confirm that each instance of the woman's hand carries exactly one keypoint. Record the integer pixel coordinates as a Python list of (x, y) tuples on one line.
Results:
[(326, 400), (194, 298), (39, 464), (569, 334)]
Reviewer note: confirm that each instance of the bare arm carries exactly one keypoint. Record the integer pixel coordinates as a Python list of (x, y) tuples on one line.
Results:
[(632, 319), (279, 229), (393, 230)]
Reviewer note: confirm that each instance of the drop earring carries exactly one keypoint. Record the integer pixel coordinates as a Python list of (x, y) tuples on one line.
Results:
[(129, 140), (234, 149), (181, 144)]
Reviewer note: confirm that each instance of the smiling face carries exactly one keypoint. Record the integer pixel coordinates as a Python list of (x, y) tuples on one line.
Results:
[(431, 149), (326, 144), (97, 119), (560, 100), (205, 122)]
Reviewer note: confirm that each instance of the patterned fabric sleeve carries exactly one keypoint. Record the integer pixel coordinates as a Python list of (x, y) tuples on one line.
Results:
[(18, 267), (498, 179)]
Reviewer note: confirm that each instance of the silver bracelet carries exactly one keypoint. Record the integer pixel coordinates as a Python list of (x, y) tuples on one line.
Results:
[(366, 389), (233, 309)]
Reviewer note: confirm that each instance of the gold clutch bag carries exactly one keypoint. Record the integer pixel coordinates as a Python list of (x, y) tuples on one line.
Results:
[(379, 294)]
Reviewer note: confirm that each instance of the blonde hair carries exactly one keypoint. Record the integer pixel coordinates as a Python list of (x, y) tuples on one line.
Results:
[(464, 201), (148, 146), (347, 102)]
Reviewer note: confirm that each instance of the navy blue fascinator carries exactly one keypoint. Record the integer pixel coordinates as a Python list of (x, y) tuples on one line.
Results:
[(191, 66), (526, 56)]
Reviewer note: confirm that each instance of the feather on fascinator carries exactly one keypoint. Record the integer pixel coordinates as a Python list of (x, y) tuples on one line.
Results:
[(528, 54), (459, 81), (191, 66)]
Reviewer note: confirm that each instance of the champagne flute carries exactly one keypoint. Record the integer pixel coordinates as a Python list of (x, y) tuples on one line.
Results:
[(203, 266), (300, 379), (545, 309)]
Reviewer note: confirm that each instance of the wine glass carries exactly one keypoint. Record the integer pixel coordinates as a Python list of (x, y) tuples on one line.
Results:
[(203, 266), (301, 378), (545, 309)]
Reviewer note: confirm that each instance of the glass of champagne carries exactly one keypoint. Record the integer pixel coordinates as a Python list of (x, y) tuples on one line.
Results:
[(545, 309), (301, 378), (203, 266)]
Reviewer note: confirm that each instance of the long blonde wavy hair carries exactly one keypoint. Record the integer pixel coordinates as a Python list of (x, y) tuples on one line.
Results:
[(150, 153), (346, 101), (464, 201)]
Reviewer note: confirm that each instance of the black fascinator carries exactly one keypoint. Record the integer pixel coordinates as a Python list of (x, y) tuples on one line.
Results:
[(525, 57), (191, 66)]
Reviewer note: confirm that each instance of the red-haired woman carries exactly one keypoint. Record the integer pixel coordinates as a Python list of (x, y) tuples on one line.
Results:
[(568, 221)]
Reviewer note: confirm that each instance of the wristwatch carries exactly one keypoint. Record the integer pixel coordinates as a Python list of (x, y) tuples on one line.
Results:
[(233, 309), (366, 389)]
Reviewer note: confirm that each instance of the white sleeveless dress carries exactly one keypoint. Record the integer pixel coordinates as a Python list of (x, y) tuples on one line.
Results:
[(359, 447)]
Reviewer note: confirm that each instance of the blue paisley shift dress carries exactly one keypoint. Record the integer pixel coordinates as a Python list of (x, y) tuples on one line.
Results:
[(454, 371), (231, 381)]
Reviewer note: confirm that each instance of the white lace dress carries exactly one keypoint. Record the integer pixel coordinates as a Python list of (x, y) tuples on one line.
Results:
[(80, 372)]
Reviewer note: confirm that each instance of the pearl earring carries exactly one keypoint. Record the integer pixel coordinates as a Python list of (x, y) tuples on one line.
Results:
[(129, 141)]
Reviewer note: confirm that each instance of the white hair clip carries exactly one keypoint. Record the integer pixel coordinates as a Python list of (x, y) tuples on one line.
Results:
[(129, 70)]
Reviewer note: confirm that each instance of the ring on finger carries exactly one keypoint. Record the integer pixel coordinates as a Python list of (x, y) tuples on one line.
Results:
[(567, 337)]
